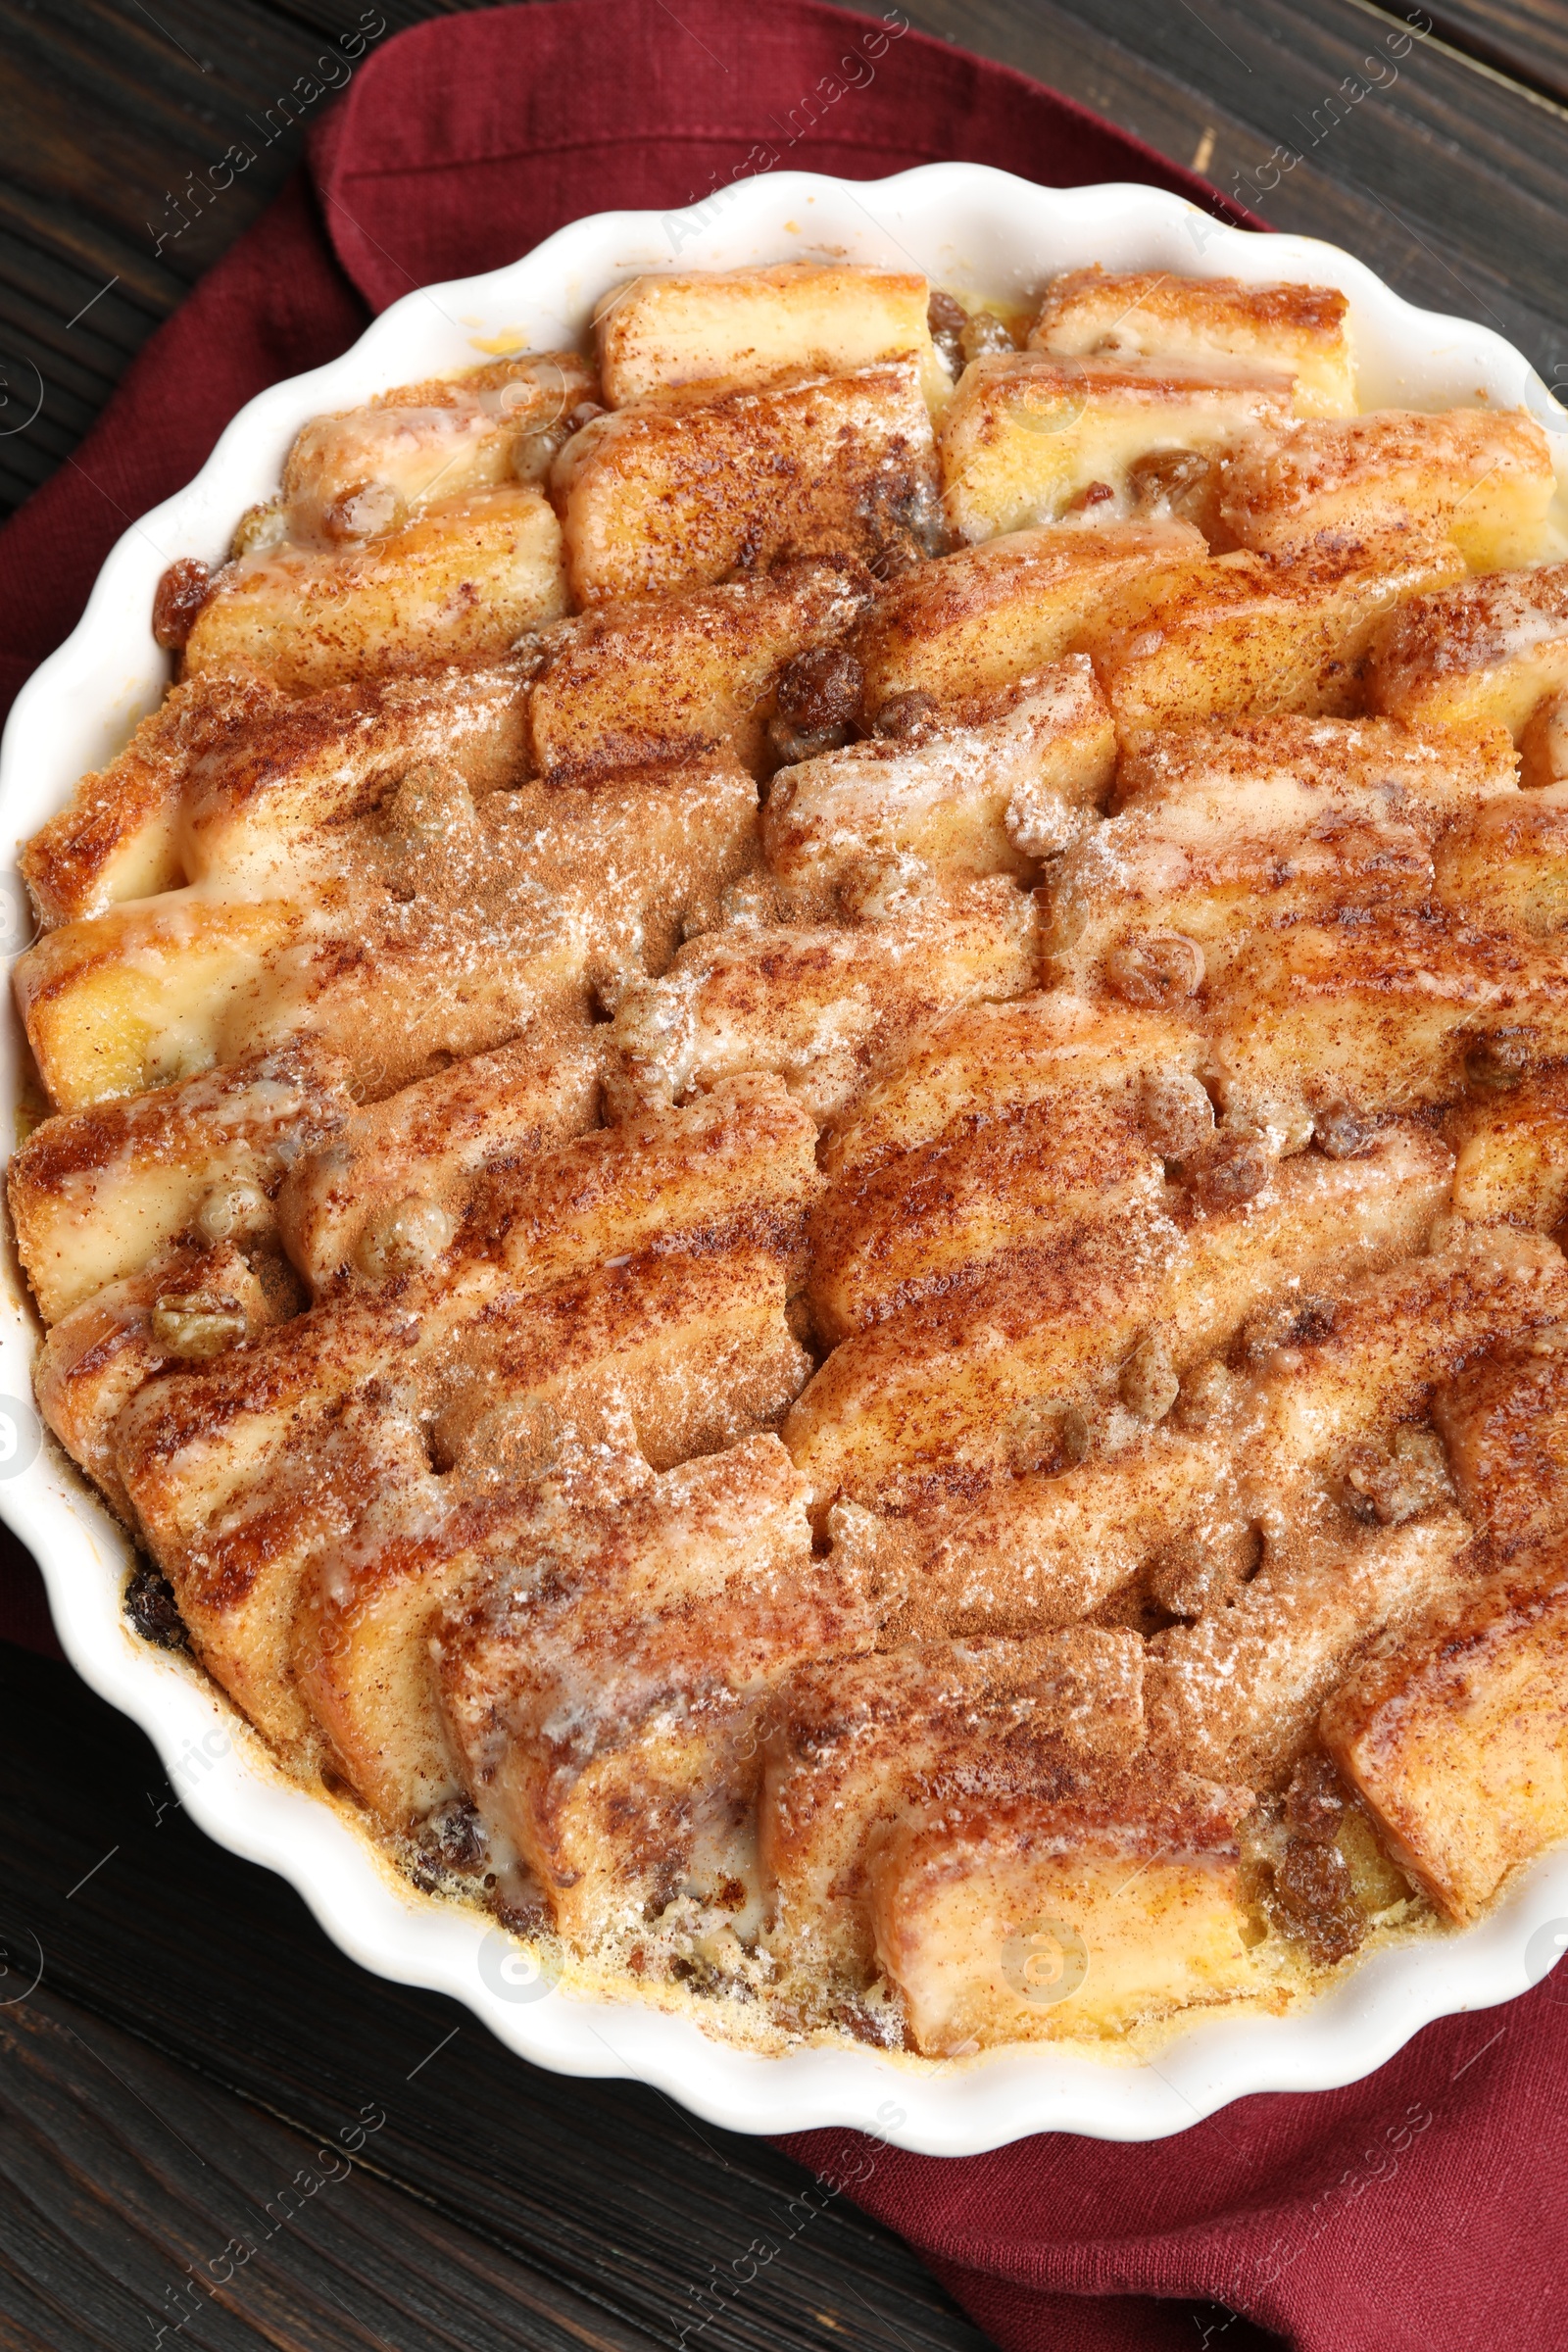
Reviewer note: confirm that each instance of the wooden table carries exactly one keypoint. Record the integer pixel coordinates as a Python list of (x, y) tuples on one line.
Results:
[(195, 2046)]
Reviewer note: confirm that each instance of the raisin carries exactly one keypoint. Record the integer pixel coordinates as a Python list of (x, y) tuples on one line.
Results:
[(1233, 1167), (196, 1324), (1313, 1892), (1498, 1060), (153, 1611), (455, 1834), (907, 718), (983, 332), (820, 689), (1158, 968), (1396, 1481), (1338, 1130), (1314, 1803), (947, 319), (364, 511), (181, 592), (1178, 479)]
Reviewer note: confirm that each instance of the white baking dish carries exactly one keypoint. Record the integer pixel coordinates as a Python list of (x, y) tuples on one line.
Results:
[(967, 227)]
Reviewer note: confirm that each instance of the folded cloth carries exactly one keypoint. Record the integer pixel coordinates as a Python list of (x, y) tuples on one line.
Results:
[(1422, 2211)]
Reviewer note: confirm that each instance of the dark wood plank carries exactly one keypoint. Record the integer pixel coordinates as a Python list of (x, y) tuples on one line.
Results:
[(104, 113), (194, 2032), (1525, 39), (137, 2196)]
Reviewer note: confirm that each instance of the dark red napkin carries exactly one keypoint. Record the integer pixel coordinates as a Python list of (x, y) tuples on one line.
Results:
[(1423, 2210)]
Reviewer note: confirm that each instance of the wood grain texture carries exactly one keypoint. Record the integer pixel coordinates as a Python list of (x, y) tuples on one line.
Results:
[(1525, 39), (106, 110), (195, 2043)]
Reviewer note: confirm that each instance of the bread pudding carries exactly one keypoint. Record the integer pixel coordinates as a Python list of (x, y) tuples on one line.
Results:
[(797, 1145)]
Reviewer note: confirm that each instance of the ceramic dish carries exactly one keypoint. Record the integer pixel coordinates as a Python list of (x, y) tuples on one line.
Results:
[(967, 227)]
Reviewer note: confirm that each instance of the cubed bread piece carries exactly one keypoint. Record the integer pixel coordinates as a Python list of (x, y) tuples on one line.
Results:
[(1032, 1179), (364, 1642), (228, 771), (990, 799), (968, 624), (730, 1179), (1456, 1735), (1484, 478), (604, 1692), (1302, 332), (520, 1475), (1402, 773), (333, 758), (737, 1165), (681, 487), (188, 1302), (825, 1009), (1505, 866), (1488, 651), (1222, 829), (353, 1484), (987, 1060), (1376, 1020), (734, 1172), (1244, 635), (1190, 878), (750, 325), (94, 1194), (1041, 1921), (1368, 1362), (363, 472), (146, 993), (858, 1743), (1027, 434), (1042, 1551), (242, 1484), (1505, 1423), (117, 836), (1020, 1369), (1237, 1695), (365, 1645), (1008, 1128), (1513, 1151), (673, 677), (688, 1341), (405, 1168), (460, 928), (435, 927), (461, 581)]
